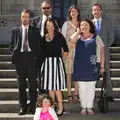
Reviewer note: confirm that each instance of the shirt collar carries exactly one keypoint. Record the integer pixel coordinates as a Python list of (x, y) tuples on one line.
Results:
[(100, 19), (25, 27), (44, 16)]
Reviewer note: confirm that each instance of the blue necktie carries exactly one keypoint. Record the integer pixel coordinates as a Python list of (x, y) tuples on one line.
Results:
[(97, 25)]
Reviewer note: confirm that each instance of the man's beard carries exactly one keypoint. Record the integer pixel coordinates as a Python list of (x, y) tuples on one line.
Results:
[(47, 13)]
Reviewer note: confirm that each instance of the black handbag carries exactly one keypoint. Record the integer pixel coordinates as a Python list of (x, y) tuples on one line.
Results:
[(103, 102)]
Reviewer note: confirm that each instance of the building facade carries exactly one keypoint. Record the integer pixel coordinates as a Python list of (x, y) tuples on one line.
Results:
[(10, 13)]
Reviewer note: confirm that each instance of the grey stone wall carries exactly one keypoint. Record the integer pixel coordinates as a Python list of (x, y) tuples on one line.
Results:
[(10, 12), (10, 15)]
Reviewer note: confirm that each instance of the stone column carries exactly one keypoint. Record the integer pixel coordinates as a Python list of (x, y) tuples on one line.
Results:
[(85, 8), (31, 4)]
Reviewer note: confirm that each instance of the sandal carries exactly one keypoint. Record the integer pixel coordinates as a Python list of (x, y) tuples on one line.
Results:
[(70, 98), (83, 111), (76, 98), (90, 111)]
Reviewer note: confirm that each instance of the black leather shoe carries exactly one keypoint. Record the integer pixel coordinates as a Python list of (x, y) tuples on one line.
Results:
[(23, 111), (110, 99)]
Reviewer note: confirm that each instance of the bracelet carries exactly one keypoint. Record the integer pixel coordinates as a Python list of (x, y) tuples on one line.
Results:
[(101, 67)]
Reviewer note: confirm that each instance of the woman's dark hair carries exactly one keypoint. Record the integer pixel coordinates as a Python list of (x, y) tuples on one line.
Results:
[(54, 24), (41, 98), (75, 7), (92, 26)]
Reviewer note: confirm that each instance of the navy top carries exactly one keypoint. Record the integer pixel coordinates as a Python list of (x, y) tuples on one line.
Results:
[(86, 67)]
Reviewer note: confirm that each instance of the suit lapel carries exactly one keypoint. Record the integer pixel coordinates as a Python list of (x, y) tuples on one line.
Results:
[(20, 37), (30, 35), (102, 25), (20, 33), (39, 23)]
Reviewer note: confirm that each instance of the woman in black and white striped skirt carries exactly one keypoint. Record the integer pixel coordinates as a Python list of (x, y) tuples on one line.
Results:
[(55, 49)]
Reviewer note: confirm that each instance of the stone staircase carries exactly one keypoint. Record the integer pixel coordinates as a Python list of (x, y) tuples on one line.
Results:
[(9, 89)]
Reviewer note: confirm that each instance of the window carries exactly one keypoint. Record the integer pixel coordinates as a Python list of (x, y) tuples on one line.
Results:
[(60, 7)]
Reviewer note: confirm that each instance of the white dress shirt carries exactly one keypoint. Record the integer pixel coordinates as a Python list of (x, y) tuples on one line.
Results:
[(44, 18), (23, 37)]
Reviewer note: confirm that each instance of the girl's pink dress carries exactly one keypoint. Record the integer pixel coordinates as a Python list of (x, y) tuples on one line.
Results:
[(45, 116)]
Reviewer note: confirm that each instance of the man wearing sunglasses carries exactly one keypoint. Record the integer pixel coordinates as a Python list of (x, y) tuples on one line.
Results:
[(46, 8)]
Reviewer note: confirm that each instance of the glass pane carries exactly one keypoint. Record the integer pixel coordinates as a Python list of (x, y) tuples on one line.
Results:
[(57, 3), (57, 12), (72, 2), (65, 12), (66, 3)]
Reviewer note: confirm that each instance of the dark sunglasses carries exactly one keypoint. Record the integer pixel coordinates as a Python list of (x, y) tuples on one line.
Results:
[(46, 8)]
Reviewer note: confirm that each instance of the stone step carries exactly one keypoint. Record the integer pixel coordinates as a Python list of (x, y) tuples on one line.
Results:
[(12, 94), (8, 83), (15, 116), (11, 73), (4, 51), (13, 107), (115, 56), (12, 83), (6, 58), (112, 50), (7, 73), (8, 65), (115, 64)]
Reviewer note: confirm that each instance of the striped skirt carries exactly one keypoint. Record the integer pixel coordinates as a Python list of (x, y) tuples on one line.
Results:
[(53, 75)]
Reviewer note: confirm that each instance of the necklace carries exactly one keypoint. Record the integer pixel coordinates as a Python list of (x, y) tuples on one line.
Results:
[(49, 37)]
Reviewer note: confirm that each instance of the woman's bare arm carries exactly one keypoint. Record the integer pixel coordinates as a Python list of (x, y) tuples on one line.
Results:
[(65, 55), (102, 60), (74, 37)]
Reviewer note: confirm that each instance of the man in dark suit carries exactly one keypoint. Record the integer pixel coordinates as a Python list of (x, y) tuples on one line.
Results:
[(104, 29), (25, 49), (46, 8)]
